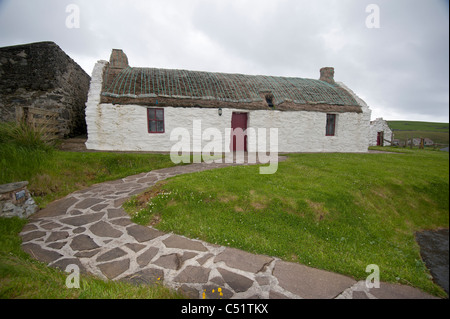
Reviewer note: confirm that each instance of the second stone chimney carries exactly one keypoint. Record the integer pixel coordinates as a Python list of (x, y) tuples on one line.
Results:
[(327, 75), (118, 59)]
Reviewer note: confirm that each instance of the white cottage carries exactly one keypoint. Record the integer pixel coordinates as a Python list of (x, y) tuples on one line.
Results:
[(380, 133), (137, 109)]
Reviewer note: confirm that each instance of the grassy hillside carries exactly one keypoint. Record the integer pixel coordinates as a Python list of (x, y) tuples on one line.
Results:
[(438, 132), (418, 126), (338, 212)]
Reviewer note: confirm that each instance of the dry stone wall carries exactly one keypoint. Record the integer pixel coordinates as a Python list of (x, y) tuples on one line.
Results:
[(16, 201), (41, 75)]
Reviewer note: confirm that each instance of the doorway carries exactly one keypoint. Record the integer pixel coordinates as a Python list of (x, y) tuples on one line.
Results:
[(239, 133), (380, 139)]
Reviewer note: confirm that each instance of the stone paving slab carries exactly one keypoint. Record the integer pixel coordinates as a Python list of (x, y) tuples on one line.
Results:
[(385, 291), (90, 229), (56, 208), (310, 283), (245, 261), (45, 255), (142, 233), (180, 242)]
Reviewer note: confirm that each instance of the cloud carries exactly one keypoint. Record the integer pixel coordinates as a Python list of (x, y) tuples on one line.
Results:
[(400, 69)]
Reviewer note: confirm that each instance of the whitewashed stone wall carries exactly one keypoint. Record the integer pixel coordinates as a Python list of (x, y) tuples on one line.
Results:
[(379, 125), (124, 127)]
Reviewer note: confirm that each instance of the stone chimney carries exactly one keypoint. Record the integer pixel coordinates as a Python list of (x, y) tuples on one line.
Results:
[(118, 59), (327, 75)]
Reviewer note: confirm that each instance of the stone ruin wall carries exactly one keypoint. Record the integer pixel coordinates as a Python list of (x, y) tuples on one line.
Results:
[(41, 75)]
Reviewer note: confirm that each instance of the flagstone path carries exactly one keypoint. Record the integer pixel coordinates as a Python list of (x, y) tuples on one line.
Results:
[(90, 229)]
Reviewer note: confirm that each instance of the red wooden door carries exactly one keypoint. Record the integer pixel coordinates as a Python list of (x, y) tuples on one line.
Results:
[(239, 137), (380, 138)]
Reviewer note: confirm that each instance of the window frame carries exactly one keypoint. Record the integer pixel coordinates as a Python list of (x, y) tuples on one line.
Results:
[(269, 100), (151, 109), (333, 133)]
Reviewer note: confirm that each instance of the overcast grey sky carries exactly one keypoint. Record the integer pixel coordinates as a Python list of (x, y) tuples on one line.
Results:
[(400, 69)]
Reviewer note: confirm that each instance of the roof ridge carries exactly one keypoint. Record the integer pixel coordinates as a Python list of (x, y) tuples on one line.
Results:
[(146, 84)]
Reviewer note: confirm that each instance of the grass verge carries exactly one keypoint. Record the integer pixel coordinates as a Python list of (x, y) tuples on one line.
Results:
[(24, 155), (339, 212), (53, 174)]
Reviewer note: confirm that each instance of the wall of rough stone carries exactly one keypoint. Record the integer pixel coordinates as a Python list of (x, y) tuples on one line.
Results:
[(16, 201), (124, 127), (41, 75)]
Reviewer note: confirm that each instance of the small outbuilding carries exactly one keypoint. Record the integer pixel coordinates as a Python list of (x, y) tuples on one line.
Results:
[(418, 140), (428, 142), (140, 108), (380, 133)]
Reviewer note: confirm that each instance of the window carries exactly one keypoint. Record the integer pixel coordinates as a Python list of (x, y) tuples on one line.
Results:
[(155, 119), (269, 100), (331, 125)]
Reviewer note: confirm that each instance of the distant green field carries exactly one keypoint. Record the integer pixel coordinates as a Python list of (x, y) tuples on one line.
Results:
[(438, 132), (418, 126)]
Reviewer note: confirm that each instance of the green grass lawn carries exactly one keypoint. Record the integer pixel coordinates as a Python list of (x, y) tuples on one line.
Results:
[(339, 212), (52, 174)]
